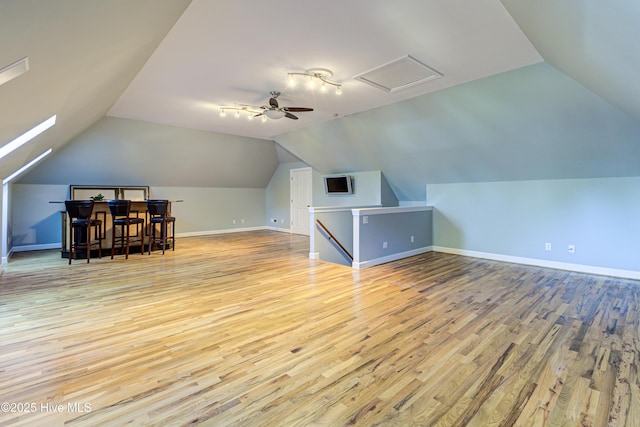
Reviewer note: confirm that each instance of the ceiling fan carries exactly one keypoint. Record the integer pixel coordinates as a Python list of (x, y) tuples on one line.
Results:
[(274, 111)]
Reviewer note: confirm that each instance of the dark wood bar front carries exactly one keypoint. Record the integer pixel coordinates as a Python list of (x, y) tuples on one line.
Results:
[(100, 195), (101, 212)]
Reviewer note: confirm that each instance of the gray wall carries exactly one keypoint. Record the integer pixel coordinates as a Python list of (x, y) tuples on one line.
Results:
[(129, 152), (36, 223), (118, 152), (600, 216), (211, 210), (394, 229), (221, 178), (340, 224), (367, 190), (278, 196)]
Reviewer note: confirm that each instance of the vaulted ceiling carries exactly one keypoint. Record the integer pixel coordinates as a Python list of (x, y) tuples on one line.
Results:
[(237, 53), (529, 90)]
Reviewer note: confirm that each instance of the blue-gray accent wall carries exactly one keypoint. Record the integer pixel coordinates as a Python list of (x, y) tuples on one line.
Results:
[(600, 216)]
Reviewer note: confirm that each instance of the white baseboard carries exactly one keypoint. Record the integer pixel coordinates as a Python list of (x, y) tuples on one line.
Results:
[(579, 268), (389, 258), (221, 231), (43, 247), (231, 230), (5, 259), (283, 230), (314, 255)]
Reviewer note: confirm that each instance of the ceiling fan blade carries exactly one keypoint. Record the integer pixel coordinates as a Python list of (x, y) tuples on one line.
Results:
[(290, 116), (297, 109)]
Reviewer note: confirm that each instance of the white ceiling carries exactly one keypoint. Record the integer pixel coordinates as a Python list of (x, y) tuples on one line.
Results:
[(226, 53)]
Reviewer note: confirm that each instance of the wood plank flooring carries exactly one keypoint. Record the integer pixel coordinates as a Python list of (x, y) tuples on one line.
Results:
[(245, 330)]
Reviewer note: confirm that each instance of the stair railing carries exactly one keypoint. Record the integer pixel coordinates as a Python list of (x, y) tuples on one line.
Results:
[(332, 237)]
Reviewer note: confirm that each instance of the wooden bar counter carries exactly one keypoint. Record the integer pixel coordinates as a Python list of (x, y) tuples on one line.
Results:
[(101, 212), (138, 196)]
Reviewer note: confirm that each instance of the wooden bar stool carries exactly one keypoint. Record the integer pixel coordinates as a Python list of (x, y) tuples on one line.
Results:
[(80, 223), (121, 216), (159, 214)]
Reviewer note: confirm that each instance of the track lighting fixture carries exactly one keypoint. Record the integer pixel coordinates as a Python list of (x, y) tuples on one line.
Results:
[(238, 111), (316, 75)]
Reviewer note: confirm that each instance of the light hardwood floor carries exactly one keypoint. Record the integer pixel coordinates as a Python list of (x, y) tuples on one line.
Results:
[(245, 330)]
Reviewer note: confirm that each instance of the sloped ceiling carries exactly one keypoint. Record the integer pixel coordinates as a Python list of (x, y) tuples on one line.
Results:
[(594, 42), (576, 116), (82, 54), (531, 123), (125, 152), (497, 114)]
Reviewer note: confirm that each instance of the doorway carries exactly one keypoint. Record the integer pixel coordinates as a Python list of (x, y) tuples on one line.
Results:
[(301, 191)]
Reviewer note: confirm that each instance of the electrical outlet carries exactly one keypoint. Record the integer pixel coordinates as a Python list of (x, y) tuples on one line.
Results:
[(234, 221), (242, 221), (571, 249), (365, 219), (547, 247), (412, 239), (384, 245)]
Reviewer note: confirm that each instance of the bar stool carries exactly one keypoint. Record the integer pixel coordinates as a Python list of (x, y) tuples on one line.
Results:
[(159, 214), (80, 223), (120, 216)]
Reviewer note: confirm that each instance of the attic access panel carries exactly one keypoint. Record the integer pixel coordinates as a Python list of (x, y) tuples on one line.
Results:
[(398, 74)]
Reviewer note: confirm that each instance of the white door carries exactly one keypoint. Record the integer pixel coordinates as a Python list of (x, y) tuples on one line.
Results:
[(300, 200)]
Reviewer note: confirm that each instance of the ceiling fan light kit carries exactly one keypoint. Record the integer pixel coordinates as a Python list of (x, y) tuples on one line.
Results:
[(274, 114), (273, 111)]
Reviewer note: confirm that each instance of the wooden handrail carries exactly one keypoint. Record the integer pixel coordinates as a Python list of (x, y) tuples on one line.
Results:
[(331, 236)]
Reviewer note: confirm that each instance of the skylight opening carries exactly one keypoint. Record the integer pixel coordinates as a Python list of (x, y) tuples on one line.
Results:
[(27, 136), (14, 70), (27, 166)]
